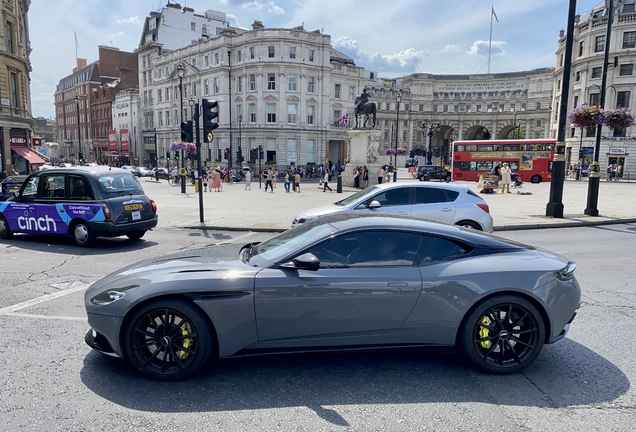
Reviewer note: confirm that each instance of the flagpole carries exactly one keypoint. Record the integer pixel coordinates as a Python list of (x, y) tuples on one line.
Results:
[(76, 41), (490, 39)]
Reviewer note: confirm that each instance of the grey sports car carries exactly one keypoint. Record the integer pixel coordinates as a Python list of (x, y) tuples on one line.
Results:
[(338, 282)]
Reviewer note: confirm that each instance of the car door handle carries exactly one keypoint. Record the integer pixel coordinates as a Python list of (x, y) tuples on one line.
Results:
[(447, 210), (394, 284)]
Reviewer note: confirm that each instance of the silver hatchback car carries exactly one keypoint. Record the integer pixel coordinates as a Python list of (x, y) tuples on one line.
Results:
[(449, 203)]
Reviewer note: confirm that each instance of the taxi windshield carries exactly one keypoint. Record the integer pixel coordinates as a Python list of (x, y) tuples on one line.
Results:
[(124, 183)]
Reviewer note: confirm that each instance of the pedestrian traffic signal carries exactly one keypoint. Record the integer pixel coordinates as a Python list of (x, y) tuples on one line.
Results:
[(260, 152), (167, 155), (209, 116), (239, 156), (81, 158), (186, 131), (225, 153), (176, 155)]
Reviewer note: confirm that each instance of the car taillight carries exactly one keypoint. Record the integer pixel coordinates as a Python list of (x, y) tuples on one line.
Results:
[(154, 206), (106, 211), (484, 207)]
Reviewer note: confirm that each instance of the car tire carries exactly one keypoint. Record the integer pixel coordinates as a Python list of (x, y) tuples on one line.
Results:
[(169, 352), (135, 235), (519, 338), (536, 179), (5, 231), (82, 234), (469, 224)]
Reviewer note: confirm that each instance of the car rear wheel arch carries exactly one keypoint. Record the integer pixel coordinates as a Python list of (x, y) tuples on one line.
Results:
[(90, 234), (544, 314), (214, 349), (469, 223)]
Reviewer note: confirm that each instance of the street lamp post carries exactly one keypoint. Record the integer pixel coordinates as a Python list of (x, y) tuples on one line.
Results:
[(240, 143), (229, 74), (79, 135), (181, 73), (432, 131), (398, 99)]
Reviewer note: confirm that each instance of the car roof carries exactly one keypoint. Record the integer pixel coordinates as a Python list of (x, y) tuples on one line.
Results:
[(93, 170), (14, 179), (417, 183)]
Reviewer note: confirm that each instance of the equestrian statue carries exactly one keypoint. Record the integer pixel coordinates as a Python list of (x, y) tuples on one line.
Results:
[(363, 108)]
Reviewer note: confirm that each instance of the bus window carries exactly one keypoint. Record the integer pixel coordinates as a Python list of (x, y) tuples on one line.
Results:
[(524, 147), (484, 166), (471, 148), (536, 147), (514, 166), (460, 148), (514, 147), (485, 148)]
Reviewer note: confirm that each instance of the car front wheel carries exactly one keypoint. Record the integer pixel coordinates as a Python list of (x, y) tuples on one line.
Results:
[(5, 231), (503, 335), (168, 339)]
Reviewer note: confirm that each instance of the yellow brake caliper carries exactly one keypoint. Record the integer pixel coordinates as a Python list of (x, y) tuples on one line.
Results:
[(187, 343), (484, 332)]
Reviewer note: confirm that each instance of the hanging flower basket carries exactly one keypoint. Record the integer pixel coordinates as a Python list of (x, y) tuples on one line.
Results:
[(587, 117), (187, 147), (401, 151), (619, 118), (389, 152)]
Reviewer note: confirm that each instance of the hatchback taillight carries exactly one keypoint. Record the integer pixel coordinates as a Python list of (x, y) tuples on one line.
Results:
[(154, 206), (106, 211), (484, 207)]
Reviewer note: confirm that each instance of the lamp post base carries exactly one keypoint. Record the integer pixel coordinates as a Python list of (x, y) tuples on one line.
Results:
[(183, 185), (592, 195)]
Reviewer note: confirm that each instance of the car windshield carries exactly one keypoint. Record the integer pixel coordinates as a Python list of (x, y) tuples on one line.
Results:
[(123, 183), (278, 247), (357, 196)]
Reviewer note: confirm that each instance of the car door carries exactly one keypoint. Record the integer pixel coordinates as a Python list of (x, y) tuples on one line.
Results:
[(392, 201), (367, 284), (51, 215), (20, 213), (433, 203)]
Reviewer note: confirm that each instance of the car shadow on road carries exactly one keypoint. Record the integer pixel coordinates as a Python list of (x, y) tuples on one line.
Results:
[(66, 246), (566, 374)]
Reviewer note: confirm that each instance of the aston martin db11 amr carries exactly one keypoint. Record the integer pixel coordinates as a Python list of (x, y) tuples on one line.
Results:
[(337, 282)]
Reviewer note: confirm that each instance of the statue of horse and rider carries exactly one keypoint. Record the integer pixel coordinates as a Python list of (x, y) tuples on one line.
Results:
[(364, 108)]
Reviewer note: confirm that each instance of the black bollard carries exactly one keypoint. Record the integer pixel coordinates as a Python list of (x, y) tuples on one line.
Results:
[(339, 187)]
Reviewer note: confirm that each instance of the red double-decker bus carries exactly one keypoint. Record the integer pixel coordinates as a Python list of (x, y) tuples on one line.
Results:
[(530, 158)]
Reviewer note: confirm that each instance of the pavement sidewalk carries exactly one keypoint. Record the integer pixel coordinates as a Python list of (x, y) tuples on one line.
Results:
[(237, 209)]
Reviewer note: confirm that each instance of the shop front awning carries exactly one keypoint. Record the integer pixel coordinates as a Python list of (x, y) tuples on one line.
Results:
[(29, 155)]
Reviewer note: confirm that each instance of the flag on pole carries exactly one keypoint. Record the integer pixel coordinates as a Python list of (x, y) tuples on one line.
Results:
[(76, 42), (344, 120), (494, 14)]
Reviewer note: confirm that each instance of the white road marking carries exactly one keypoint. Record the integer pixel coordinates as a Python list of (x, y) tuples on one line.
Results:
[(235, 239), (55, 317), (16, 307)]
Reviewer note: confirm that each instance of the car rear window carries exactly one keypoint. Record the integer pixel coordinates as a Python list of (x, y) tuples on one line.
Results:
[(120, 183)]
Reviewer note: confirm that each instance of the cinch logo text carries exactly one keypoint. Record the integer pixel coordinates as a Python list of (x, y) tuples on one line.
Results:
[(40, 224)]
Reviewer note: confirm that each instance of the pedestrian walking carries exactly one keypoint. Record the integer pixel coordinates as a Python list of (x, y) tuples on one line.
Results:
[(608, 172), (297, 182), (505, 178), (619, 172), (248, 180), (268, 183), (381, 174), (325, 182), (216, 180), (287, 181), (356, 178)]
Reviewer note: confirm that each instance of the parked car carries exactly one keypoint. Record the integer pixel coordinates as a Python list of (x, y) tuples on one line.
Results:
[(433, 172), (449, 203), (410, 162), (163, 173), (81, 202), (339, 282), (142, 172), (128, 168), (10, 185)]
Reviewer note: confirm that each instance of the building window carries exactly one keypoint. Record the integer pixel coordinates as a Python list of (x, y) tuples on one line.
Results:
[(421, 108), (336, 116), (271, 113), (206, 87), (626, 69), (291, 113), (538, 106), (207, 60), (628, 7), (311, 55), (577, 76), (252, 53), (239, 56), (14, 90), (270, 156), (629, 39), (239, 110), (337, 93), (352, 93), (311, 151), (252, 82), (271, 81), (194, 90), (167, 118), (445, 108), (292, 83), (252, 112), (434, 108), (622, 99), (581, 45), (292, 151), (594, 99), (386, 122), (539, 123), (270, 51), (167, 94), (193, 26), (600, 44), (310, 114), (193, 62), (597, 72), (10, 37), (216, 85), (160, 118), (216, 58), (310, 85), (239, 84), (159, 93), (576, 101), (185, 92), (292, 52), (456, 108), (204, 29)]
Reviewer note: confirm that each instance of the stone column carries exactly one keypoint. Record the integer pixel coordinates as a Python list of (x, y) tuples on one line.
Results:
[(6, 150)]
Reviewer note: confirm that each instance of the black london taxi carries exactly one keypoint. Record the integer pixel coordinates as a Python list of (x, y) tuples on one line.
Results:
[(81, 202), (10, 185)]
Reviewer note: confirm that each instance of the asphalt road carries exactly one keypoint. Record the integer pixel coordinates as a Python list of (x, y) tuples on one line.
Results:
[(51, 381)]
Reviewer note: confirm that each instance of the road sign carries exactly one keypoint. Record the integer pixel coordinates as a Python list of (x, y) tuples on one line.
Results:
[(210, 136)]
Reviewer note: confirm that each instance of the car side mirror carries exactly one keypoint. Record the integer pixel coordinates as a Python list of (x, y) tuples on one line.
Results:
[(306, 261), (374, 205)]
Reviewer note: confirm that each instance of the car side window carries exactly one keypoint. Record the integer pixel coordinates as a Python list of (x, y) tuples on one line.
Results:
[(426, 195), (52, 186), (392, 197), (78, 189), (30, 190), (368, 249), (436, 249)]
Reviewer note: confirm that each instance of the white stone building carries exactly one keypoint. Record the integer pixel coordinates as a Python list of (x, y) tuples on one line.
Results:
[(585, 83), (125, 114)]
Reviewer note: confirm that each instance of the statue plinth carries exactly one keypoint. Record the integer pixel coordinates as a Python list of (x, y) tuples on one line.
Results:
[(362, 149)]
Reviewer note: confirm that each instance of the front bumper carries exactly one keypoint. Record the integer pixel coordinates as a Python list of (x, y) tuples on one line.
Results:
[(99, 343), (109, 229), (103, 335)]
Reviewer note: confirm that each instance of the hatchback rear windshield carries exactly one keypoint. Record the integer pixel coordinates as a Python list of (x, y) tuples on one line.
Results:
[(120, 183)]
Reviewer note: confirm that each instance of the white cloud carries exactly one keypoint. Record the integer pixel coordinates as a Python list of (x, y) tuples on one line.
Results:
[(345, 42), (131, 20), (480, 47), (252, 6), (451, 48)]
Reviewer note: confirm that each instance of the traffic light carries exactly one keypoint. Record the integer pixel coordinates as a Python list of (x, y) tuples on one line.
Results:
[(581, 154), (253, 154), (260, 152), (436, 152), (239, 155), (81, 158), (226, 152), (209, 116), (167, 155), (411, 154), (176, 155), (186, 131)]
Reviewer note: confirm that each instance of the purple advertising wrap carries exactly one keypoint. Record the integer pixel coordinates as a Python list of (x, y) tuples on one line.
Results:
[(48, 218)]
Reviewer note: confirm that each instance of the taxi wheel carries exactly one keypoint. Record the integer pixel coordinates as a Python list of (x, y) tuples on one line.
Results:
[(5, 232), (82, 234), (136, 235)]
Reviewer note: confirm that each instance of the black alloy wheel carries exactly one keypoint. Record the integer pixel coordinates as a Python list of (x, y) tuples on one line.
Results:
[(503, 334), (168, 340), (5, 231)]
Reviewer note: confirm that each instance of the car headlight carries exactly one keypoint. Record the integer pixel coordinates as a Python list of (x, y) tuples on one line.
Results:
[(111, 295), (566, 272)]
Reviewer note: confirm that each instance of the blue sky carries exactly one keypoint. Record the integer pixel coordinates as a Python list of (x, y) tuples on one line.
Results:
[(394, 37)]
